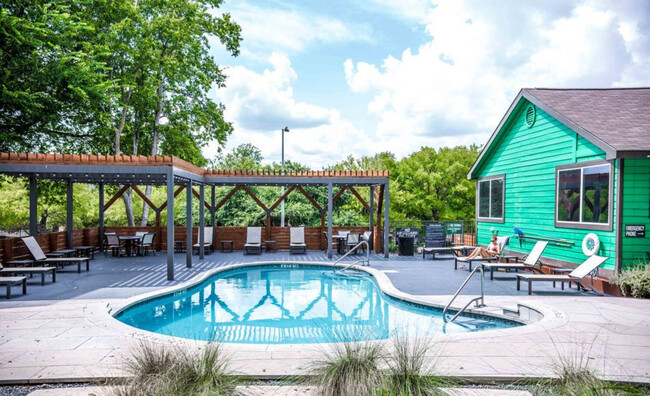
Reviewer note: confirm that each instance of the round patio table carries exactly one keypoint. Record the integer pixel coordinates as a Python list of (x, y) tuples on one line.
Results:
[(129, 241)]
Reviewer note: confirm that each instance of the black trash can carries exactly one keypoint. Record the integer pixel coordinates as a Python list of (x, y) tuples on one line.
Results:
[(405, 246)]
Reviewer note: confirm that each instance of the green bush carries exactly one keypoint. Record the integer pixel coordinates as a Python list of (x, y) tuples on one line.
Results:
[(634, 281), (392, 247)]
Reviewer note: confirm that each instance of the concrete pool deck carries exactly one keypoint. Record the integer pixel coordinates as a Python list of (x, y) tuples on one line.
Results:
[(64, 331)]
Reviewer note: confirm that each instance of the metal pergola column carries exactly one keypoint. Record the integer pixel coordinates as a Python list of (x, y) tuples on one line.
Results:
[(329, 220), (188, 224), (170, 224), (372, 220), (101, 217), (386, 225), (201, 221), (33, 207), (213, 217), (69, 219)]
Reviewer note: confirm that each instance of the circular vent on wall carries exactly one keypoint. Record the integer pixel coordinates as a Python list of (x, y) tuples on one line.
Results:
[(531, 114)]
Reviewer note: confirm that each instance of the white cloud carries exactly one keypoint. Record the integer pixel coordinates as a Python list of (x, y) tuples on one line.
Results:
[(261, 104), (290, 31), (455, 88)]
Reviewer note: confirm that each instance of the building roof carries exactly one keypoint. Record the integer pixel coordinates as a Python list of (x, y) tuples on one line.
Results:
[(616, 120)]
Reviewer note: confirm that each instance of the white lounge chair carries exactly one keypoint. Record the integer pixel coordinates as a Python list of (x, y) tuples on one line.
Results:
[(253, 240), (501, 257), (29, 270), (530, 262), (39, 257), (574, 276), (297, 241), (208, 246)]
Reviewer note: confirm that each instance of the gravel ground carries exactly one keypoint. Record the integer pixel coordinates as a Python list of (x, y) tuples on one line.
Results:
[(22, 390)]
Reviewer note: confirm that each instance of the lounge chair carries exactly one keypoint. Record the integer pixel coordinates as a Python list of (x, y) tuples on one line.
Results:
[(366, 236), (574, 276), (529, 264), (39, 257), (13, 281), (208, 246), (501, 257), (29, 270), (253, 240), (351, 241), (297, 242)]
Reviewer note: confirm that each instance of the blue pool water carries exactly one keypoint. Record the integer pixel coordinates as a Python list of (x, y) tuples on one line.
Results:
[(285, 304)]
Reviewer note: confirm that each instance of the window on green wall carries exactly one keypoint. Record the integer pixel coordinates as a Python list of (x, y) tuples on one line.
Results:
[(584, 195), (489, 198)]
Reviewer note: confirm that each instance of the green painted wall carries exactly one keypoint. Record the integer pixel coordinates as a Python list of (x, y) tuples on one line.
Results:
[(528, 157), (636, 210)]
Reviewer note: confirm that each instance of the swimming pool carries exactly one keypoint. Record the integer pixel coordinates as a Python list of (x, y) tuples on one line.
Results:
[(291, 303)]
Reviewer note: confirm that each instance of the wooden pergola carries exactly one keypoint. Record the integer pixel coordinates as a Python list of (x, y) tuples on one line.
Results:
[(131, 171)]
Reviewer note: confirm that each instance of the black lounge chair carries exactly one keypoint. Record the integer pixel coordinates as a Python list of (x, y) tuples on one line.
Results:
[(29, 270), (39, 257)]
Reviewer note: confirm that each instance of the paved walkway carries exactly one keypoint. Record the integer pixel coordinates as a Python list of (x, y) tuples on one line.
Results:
[(46, 339)]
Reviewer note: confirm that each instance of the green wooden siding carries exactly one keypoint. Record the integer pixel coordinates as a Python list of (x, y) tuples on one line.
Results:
[(528, 157), (636, 210)]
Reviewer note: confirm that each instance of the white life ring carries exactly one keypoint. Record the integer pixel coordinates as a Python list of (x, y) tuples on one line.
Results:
[(590, 244)]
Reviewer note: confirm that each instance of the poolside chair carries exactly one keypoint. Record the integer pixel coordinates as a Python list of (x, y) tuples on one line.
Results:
[(29, 270), (39, 257), (351, 241), (366, 236), (113, 243), (253, 240), (297, 241), (146, 244), (575, 276), (500, 258), (530, 262), (208, 246)]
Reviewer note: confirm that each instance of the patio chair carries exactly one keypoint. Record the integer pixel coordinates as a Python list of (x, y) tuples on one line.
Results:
[(575, 276), (500, 258), (351, 241), (39, 257), (253, 240), (366, 236), (147, 243), (297, 242), (113, 243), (29, 270), (13, 281), (208, 246), (529, 264)]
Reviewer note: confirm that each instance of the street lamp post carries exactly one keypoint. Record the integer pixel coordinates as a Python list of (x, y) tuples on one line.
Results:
[(286, 129)]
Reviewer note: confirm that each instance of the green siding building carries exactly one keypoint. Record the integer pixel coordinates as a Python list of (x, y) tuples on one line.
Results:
[(564, 163)]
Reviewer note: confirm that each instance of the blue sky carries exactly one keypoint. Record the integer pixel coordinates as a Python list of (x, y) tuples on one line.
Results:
[(359, 77)]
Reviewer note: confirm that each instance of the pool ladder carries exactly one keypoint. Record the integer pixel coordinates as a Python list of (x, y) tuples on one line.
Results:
[(478, 300), (366, 260)]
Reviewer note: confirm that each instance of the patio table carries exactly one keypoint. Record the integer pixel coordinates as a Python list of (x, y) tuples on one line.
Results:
[(129, 241), (61, 253), (85, 251), (228, 243)]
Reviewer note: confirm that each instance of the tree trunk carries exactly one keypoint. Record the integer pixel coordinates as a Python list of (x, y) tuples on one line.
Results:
[(154, 149), (128, 200)]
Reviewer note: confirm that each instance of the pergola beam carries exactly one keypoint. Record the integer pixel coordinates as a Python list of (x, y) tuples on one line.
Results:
[(144, 198), (116, 196), (359, 197)]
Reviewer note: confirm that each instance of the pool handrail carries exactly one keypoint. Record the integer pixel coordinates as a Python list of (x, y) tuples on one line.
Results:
[(475, 299), (367, 260)]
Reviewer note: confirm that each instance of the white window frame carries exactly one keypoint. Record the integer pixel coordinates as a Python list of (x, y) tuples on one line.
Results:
[(489, 219), (585, 224)]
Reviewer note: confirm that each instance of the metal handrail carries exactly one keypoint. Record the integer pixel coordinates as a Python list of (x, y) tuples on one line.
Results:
[(367, 260), (475, 299)]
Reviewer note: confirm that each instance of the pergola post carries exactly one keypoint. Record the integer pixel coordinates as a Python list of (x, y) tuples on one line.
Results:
[(170, 225), (386, 225), (33, 207), (329, 220), (201, 221), (188, 221), (372, 219), (213, 216), (69, 215), (101, 217)]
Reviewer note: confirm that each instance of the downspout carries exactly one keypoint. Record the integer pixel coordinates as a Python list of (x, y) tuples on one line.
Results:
[(618, 262)]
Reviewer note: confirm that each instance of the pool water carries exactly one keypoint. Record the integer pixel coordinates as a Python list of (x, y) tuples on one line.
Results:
[(286, 304)]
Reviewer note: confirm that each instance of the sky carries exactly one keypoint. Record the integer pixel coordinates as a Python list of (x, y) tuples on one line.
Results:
[(358, 77)]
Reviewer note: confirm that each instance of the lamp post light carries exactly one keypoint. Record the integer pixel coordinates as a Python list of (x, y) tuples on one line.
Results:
[(286, 129)]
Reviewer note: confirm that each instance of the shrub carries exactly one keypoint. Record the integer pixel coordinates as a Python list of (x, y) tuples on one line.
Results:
[(172, 370), (634, 280)]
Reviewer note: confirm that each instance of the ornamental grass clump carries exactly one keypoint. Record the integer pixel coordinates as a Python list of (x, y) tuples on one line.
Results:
[(410, 369), (349, 368), (172, 370), (634, 281)]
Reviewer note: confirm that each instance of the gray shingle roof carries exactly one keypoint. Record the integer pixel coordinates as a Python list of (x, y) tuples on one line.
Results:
[(619, 117)]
